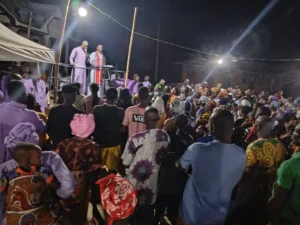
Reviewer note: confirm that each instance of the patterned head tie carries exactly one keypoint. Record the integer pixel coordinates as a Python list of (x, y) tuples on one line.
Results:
[(118, 197)]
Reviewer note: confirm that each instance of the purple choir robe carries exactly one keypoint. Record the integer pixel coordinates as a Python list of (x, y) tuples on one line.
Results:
[(147, 84), (59, 169), (132, 85), (40, 94), (11, 114), (78, 75), (117, 83), (28, 85)]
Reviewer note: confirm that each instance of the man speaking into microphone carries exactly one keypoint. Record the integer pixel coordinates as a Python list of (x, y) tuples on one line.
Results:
[(97, 59), (78, 60)]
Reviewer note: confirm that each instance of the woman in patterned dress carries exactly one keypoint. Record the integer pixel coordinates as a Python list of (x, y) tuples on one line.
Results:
[(82, 157)]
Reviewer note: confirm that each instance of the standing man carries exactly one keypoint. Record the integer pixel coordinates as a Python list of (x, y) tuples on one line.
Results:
[(16, 112), (78, 59), (160, 87), (133, 121), (98, 59), (143, 155), (108, 118), (60, 117), (264, 156), (146, 82), (208, 191)]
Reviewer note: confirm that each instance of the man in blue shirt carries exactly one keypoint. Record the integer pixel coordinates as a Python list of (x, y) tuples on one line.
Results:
[(217, 167)]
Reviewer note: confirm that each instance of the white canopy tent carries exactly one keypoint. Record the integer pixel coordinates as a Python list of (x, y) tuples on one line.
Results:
[(14, 47)]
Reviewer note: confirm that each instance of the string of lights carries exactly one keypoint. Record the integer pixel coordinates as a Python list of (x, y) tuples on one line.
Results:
[(187, 48)]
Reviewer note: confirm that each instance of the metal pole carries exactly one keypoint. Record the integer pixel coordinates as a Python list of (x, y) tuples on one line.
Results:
[(130, 45), (29, 25), (157, 53), (61, 40)]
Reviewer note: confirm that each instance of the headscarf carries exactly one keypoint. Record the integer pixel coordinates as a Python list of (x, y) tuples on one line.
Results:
[(159, 104), (82, 125), (22, 132), (223, 94), (275, 104), (178, 106), (245, 102), (118, 197)]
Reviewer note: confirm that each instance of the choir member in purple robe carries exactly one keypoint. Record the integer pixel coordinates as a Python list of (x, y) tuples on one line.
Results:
[(133, 84), (27, 81), (16, 112), (5, 81), (118, 82), (146, 82), (40, 94), (78, 58)]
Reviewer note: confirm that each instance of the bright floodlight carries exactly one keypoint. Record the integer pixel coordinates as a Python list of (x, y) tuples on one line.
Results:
[(220, 61), (82, 12)]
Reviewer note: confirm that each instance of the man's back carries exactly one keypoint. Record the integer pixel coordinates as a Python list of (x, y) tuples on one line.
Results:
[(288, 177), (58, 124), (108, 120), (216, 169), (143, 154), (134, 120), (12, 114)]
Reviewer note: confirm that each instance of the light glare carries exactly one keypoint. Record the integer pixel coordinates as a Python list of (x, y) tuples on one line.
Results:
[(220, 61), (82, 12)]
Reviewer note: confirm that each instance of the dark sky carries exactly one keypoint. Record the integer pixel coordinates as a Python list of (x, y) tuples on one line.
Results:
[(205, 25)]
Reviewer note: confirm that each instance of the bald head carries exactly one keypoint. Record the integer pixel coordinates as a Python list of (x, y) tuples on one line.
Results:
[(221, 125), (263, 126), (84, 45), (151, 116)]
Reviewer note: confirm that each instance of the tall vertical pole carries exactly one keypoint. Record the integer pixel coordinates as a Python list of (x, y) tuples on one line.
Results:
[(130, 45), (157, 53), (61, 40), (29, 25)]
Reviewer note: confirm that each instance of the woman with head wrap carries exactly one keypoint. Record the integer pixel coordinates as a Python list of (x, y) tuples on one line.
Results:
[(82, 157)]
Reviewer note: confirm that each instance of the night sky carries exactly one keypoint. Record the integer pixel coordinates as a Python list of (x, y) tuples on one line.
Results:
[(204, 25)]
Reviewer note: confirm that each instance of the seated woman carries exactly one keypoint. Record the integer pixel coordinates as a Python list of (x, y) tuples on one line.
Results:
[(30, 190)]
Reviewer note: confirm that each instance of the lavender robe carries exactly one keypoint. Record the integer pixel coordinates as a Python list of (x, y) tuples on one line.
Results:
[(117, 83), (12, 114), (78, 75), (147, 84), (28, 85), (133, 86), (59, 169), (40, 94)]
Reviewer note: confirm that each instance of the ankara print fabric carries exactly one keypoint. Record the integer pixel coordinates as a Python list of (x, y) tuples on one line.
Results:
[(144, 153), (264, 156), (80, 154)]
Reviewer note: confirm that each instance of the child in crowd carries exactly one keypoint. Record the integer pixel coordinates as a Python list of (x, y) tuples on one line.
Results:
[(28, 83), (30, 190)]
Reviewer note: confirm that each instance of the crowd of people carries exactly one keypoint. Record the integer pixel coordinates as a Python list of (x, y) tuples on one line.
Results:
[(190, 155)]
